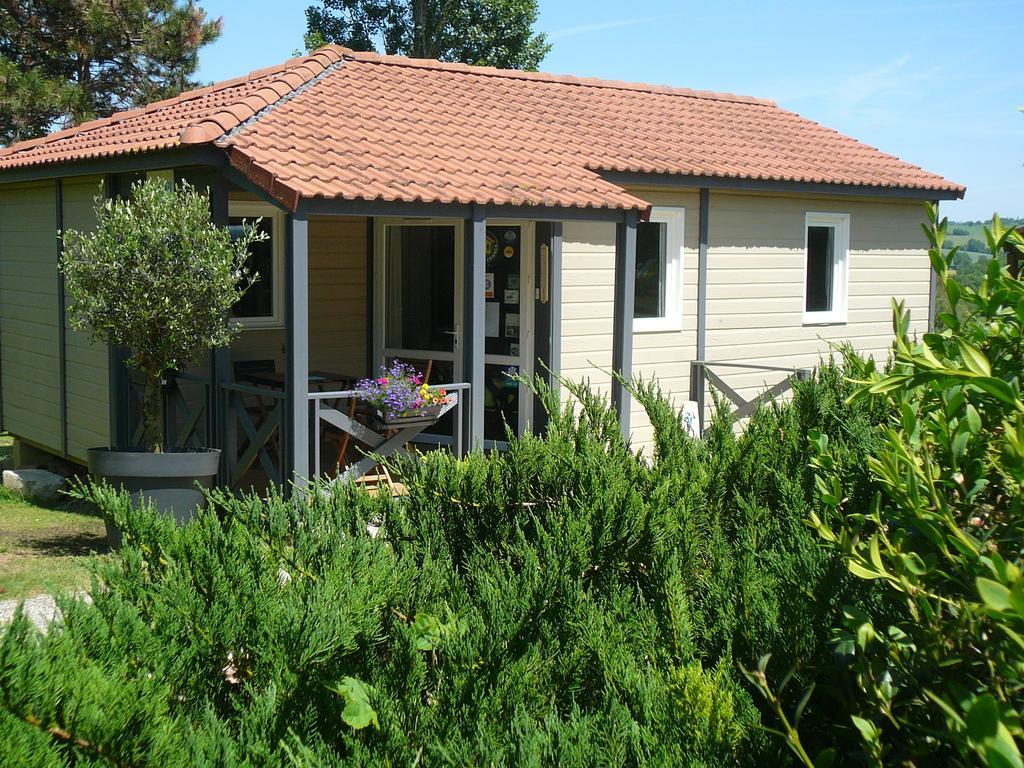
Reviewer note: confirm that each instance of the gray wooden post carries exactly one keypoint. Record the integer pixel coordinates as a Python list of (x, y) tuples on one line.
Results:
[(698, 384), (221, 422), (555, 301), (297, 376), (472, 341), (622, 332)]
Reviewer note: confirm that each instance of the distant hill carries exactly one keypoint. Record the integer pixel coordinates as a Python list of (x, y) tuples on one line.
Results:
[(970, 235)]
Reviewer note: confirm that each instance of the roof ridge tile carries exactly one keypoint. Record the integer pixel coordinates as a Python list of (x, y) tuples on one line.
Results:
[(333, 52), (291, 80), (519, 74)]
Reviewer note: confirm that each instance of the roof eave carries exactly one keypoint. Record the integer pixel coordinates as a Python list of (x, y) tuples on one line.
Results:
[(171, 157), (632, 179)]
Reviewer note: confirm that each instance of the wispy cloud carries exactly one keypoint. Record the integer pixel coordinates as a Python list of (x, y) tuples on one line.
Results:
[(601, 26), (891, 78), (863, 91)]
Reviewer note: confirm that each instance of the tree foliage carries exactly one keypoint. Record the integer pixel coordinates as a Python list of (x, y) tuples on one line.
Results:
[(497, 33), (157, 277), (65, 61)]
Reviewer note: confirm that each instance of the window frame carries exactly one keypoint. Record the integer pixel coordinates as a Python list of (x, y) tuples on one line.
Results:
[(252, 210), (840, 224), (674, 219)]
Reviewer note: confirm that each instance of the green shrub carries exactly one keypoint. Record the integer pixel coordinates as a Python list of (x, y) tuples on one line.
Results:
[(941, 679), (564, 603)]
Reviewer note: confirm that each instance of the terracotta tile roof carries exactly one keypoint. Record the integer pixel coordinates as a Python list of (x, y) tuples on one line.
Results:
[(160, 125), (364, 126)]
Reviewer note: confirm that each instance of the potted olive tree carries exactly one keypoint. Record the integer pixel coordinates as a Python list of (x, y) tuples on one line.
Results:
[(157, 278)]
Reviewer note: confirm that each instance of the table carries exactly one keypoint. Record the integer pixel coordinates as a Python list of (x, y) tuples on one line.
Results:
[(319, 381)]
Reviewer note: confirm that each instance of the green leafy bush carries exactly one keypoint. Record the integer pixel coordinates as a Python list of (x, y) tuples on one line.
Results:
[(565, 603), (941, 678)]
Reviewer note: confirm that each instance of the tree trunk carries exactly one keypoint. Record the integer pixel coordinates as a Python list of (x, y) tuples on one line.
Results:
[(152, 414)]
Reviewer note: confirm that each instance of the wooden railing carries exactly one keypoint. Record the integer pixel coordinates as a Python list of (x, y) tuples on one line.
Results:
[(259, 411), (247, 422), (369, 442), (187, 412), (701, 373)]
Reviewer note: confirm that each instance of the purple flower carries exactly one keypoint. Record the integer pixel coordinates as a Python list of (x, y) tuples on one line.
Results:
[(396, 392)]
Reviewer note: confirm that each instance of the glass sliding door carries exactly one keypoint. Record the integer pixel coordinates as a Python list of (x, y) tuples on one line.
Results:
[(417, 312), (419, 276)]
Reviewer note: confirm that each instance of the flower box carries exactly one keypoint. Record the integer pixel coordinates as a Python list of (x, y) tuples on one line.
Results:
[(399, 398), (428, 414)]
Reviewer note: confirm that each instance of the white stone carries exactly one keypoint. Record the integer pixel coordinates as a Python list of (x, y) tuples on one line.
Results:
[(37, 484)]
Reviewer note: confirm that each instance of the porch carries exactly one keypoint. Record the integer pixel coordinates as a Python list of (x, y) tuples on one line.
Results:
[(467, 294)]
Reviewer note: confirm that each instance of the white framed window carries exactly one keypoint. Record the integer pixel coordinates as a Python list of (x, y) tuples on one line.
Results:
[(262, 306), (658, 292), (826, 257)]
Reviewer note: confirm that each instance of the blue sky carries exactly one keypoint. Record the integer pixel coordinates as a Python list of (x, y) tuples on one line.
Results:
[(936, 83)]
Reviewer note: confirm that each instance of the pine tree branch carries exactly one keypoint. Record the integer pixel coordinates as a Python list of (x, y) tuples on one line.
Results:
[(65, 737)]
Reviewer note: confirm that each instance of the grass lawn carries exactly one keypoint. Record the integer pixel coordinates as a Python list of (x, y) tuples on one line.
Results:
[(43, 549)]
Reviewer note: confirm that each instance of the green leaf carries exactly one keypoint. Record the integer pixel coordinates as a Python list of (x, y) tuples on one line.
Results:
[(997, 388), (993, 594), (876, 557), (959, 445), (913, 563), (802, 704), (357, 713), (991, 738), (952, 715), (426, 630), (859, 570), (825, 758), (983, 718), (868, 731), (973, 419), (1017, 598), (974, 358)]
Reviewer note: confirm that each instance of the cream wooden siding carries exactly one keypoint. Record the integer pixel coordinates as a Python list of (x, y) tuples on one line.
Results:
[(337, 294), (337, 302), (588, 282), (755, 290), (86, 361), (756, 271)]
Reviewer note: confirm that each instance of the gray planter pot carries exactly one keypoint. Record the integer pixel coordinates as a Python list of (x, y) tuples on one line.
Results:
[(172, 482)]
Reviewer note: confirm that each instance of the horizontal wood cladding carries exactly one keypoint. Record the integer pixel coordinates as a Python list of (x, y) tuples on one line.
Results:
[(755, 281), (86, 361), (29, 331), (337, 302), (755, 290)]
